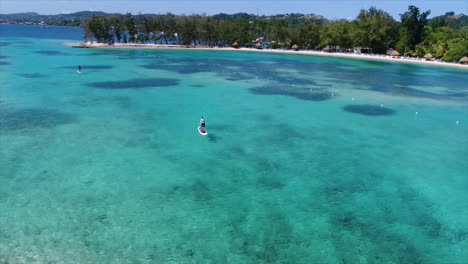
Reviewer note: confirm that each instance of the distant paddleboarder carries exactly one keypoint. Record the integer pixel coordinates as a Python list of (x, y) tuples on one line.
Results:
[(202, 122), (201, 127), (79, 68)]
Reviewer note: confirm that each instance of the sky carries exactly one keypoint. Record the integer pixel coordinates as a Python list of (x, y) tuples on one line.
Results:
[(331, 9)]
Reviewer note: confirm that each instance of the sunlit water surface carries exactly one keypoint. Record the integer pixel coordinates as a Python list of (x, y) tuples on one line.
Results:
[(308, 159)]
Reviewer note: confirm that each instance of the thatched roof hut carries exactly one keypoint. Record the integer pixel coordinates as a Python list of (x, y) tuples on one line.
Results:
[(235, 45), (327, 48), (295, 47), (395, 53), (258, 45), (464, 60), (428, 56)]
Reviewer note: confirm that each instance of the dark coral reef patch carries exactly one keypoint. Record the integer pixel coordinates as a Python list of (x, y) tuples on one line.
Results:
[(31, 118), (91, 67), (51, 52), (32, 75), (136, 83), (368, 110), (300, 93)]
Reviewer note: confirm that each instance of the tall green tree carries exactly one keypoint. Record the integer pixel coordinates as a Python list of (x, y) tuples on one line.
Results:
[(130, 26), (336, 33), (412, 28), (187, 29), (144, 27), (99, 28), (118, 27), (376, 29), (169, 27), (310, 35)]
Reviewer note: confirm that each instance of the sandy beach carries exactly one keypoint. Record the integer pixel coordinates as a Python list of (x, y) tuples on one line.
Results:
[(290, 51)]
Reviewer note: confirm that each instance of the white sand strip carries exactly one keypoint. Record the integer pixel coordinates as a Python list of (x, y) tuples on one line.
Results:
[(302, 52)]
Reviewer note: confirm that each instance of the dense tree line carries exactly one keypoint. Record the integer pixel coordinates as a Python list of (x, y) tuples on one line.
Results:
[(373, 28)]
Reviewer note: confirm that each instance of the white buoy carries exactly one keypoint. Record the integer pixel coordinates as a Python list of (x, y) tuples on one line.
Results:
[(352, 99), (458, 122), (416, 113), (381, 105)]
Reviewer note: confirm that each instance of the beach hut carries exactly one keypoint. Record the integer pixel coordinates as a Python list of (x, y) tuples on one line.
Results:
[(295, 47), (361, 50), (464, 60), (258, 45), (428, 57), (395, 54), (327, 48), (235, 45)]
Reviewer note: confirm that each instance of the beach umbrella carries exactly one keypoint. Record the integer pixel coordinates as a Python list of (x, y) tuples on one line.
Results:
[(295, 47), (428, 56), (464, 60), (258, 45), (235, 45), (395, 53)]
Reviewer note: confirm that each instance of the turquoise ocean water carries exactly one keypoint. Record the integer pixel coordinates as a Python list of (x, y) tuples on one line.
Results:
[(308, 159)]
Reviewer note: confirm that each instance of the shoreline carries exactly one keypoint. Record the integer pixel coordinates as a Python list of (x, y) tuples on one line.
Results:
[(299, 52)]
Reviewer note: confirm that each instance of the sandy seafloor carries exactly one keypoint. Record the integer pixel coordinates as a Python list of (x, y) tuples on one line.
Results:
[(308, 159)]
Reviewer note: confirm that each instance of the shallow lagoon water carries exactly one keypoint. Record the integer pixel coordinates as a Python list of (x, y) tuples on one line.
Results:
[(308, 159)]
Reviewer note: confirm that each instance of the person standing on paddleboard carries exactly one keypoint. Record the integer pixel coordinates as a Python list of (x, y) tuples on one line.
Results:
[(202, 122), (79, 68)]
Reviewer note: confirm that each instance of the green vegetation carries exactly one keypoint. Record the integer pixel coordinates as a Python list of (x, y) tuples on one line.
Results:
[(450, 20), (445, 37), (374, 28), (73, 19), (412, 28)]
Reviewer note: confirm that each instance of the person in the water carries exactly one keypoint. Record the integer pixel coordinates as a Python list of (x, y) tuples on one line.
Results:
[(202, 122), (79, 68)]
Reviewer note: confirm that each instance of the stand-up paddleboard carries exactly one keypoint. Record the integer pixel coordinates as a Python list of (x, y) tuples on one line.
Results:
[(202, 131), (78, 71)]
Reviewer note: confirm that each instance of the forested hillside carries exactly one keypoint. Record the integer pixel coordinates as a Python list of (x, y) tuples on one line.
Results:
[(413, 35)]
